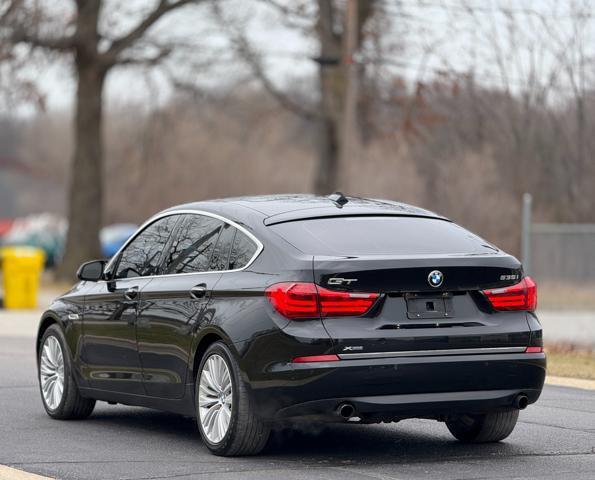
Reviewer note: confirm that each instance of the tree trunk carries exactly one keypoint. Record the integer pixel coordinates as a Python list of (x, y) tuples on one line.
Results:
[(349, 150), (86, 185), (333, 76), (332, 84), (85, 199)]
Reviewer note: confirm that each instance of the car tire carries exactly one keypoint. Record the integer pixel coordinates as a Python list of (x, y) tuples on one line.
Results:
[(53, 357), (489, 427), (246, 433)]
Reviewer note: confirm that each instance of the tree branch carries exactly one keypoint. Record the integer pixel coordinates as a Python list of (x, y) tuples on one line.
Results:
[(20, 35), (297, 8), (19, 24), (252, 59), (151, 60), (295, 16), (126, 41), (9, 9)]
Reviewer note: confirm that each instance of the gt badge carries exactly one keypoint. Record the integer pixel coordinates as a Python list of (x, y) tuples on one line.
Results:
[(341, 281)]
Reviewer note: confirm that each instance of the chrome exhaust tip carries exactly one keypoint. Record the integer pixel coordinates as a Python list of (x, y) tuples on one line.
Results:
[(345, 410), (521, 401)]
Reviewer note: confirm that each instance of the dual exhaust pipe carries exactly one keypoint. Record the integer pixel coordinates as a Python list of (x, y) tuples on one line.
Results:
[(520, 401), (347, 410)]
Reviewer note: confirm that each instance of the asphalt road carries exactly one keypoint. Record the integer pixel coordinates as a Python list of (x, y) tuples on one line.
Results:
[(554, 439)]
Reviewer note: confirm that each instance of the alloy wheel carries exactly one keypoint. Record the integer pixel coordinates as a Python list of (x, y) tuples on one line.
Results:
[(215, 396), (51, 372)]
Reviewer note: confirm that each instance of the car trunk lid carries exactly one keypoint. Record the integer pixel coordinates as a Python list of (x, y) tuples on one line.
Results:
[(415, 316)]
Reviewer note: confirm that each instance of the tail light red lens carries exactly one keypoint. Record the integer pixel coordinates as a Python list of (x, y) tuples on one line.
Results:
[(534, 350), (294, 300), (336, 304), (521, 296), (308, 300)]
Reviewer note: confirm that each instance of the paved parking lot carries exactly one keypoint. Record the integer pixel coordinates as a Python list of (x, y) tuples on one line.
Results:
[(555, 439)]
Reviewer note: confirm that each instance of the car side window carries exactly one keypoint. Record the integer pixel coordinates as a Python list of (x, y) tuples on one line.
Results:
[(142, 256), (220, 258), (242, 251), (193, 246)]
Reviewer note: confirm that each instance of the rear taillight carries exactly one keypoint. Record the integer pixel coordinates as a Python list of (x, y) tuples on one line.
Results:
[(337, 304), (521, 296), (294, 300), (308, 300)]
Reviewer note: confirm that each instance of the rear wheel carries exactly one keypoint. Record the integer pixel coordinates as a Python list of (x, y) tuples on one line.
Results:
[(59, 391), (489, 427), (226, 419)]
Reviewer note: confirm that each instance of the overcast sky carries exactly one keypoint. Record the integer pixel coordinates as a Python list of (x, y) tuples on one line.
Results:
[(503, 41)]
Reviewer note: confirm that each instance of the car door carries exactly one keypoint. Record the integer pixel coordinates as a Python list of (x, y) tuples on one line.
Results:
[(173, 305), (109, 350)]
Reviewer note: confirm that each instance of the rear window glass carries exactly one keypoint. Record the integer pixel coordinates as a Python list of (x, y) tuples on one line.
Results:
[(242, 251), (220, 258), (380, 236), (193, 246)]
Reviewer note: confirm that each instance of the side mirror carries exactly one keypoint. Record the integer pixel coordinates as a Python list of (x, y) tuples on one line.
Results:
[(92, 271)]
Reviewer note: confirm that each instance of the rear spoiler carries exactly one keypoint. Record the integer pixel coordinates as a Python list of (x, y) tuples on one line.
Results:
[(332, 212)]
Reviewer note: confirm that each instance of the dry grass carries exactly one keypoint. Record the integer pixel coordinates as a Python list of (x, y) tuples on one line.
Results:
[(566, 360)]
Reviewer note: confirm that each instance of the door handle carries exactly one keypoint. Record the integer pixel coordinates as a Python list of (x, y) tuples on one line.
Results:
[(130, 316), (199, 291), (131, 293)]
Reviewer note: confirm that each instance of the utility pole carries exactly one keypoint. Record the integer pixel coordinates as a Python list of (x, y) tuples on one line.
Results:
[(526, 232), (349, 135)]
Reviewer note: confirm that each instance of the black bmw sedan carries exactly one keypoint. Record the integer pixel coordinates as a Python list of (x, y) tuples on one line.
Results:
[(255, 312)]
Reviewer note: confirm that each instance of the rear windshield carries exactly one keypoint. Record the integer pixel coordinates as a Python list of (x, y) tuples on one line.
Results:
[(381, 236)]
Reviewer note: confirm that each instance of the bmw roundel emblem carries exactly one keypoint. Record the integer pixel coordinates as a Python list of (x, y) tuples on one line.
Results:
[(435, 278)]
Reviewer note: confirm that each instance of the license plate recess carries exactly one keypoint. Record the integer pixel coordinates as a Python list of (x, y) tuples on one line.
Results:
[(429, 305)]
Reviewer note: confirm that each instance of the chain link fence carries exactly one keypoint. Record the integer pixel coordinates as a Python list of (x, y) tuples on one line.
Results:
[(561, 258), (563, 253)]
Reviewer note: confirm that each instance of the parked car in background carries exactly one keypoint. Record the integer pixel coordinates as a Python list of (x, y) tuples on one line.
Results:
[(253, 312), (114, 236), (45, 231)]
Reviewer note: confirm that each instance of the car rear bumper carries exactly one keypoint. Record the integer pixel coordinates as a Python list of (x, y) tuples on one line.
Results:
[(401, 387), (393, 407)]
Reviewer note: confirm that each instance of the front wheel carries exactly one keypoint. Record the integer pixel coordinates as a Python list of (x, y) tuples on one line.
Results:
[(226, 418), (59, 391), (489, 427)]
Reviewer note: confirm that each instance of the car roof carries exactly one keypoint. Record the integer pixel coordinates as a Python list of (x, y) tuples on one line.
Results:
[(273, 209)]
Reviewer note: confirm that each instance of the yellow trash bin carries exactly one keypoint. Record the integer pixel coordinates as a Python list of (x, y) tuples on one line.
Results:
[(21, 274)]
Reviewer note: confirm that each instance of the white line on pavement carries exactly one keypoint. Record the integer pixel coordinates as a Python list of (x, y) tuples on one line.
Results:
[(9, 473)]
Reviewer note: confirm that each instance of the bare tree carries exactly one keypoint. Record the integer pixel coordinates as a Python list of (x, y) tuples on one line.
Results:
[(16, 87), (326, 22), (94, 52)]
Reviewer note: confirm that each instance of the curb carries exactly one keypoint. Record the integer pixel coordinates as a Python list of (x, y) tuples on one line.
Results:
[(571, 382)]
